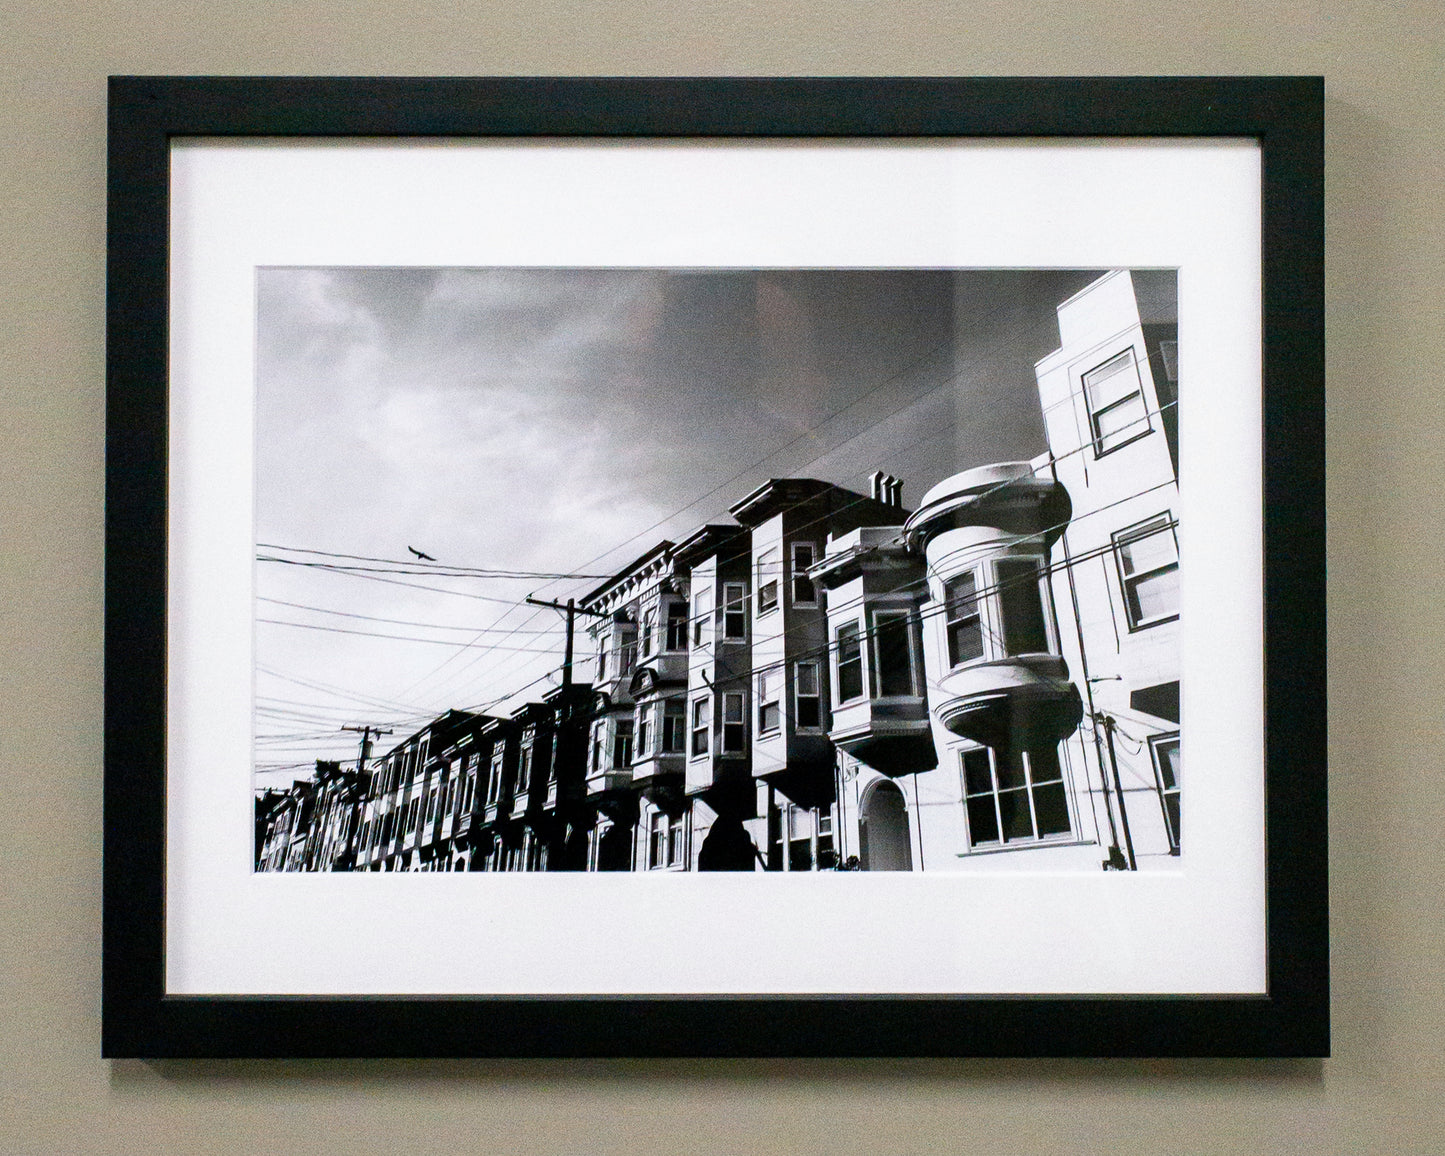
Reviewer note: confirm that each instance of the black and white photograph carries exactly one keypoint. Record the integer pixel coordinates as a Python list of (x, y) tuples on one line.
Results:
[(717, 569)]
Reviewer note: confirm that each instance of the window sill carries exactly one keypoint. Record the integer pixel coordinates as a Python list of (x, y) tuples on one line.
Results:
[(1135, 628)]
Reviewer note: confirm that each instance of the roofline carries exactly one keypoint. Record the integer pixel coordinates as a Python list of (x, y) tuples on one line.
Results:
[(621, 575)]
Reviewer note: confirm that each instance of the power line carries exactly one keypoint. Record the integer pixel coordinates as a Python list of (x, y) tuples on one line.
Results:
[(391, 621)]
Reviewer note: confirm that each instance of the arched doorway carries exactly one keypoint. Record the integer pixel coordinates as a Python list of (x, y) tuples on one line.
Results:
[(728, 847), (883, 830)]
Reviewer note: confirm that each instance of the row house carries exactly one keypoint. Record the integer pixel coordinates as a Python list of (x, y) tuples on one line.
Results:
[(709, 745)]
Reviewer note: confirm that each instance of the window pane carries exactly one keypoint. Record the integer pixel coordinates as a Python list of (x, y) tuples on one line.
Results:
[(1010, 769), (1120, 422), (807, 678), (767, 596), (1044, 765), (803, 590), (982, 822), (1168, 753), (1023, 608), (808, 712), (1154, 597), (977, 772), (894, 656), (732, 708), (1116, 378), (965, 630), (1051, 809), (1013, 809), (771, 717), (1151, 552), (850, 663)]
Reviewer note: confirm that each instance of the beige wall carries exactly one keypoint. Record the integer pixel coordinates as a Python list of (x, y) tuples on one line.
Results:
[(1383, 1090)]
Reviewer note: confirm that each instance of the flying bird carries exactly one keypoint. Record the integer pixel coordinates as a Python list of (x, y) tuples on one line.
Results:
[(419, 554)]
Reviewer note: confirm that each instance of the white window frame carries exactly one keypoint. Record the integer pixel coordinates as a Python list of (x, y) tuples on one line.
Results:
[(675, 623), (701, 617), (798, 572), (1151, 527), (770, 694), (674, 712), (1173, 822), (622, 744), (734, 723), (644, 633), (701, 727), (1027, 791), (677, 840), (735, 608), (769, 560), (857, 640), (1137, 427), (878, 617), (979, 600), (641, 747), (816, 697)]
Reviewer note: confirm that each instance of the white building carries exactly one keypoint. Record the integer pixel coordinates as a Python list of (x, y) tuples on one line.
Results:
[(1033, 606)]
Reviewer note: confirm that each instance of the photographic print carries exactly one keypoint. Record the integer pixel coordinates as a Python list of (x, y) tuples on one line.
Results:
[(717, 569)]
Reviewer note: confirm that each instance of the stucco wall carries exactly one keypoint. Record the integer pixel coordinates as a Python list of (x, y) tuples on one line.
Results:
[(1386, 138)]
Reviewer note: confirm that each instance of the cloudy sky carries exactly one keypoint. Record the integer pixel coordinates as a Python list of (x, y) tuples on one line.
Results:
[(562, 421)]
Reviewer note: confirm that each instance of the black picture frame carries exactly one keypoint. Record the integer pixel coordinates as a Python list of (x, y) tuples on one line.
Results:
[(1284, 114)]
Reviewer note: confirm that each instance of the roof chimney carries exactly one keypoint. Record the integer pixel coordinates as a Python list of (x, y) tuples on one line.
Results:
[(877, 481), (895, 492)]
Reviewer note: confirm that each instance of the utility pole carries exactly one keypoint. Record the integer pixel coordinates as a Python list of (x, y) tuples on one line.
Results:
[(366, 733), (1108, 723), (571, 609)]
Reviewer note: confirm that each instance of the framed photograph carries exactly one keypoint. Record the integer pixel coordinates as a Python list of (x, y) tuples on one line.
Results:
[(661, 567)]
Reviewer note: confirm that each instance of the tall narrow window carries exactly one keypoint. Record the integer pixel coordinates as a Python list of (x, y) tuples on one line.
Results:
[(627, 656), (1148, 555), (800, 839), (657, 840), (1021, 602), (1166, 766), (807, 705), (701, 608), (673, 724), (1013, 797), (735, 611), (1115, 397), (677, 626), (769, 566), (644, 731), (676, 840), (893, 653), (770, 710), (524, 769), (965, 625), (602, 647), (494, 789), (734, 731), (644, 637), (805, 554), (850, 663), (622, 743), (701, 725)]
